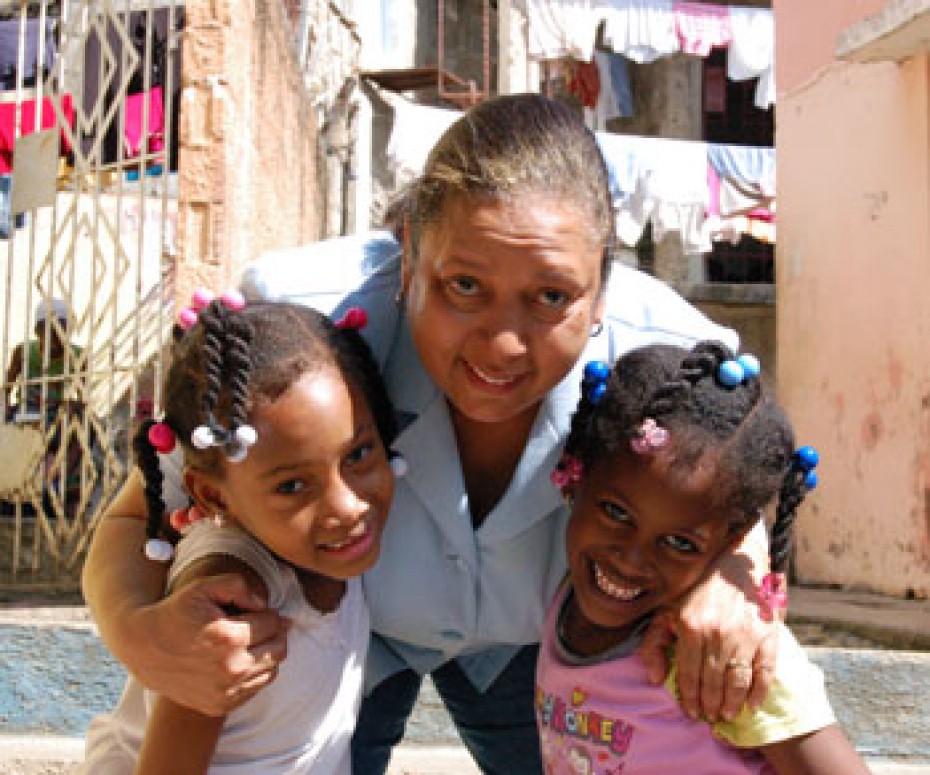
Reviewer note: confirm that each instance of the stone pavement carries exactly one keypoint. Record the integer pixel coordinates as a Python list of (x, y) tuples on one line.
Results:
[(882, 691)]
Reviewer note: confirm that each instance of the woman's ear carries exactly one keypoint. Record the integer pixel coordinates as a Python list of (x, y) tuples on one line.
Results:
[(205, 492)]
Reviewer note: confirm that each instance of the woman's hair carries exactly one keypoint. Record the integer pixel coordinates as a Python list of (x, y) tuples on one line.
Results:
[(233, 361), (741, 431), (511, 146)]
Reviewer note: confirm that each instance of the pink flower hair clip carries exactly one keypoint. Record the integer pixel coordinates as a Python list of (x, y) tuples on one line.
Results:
[(568, 472), (649, 438), (202, 298), (773, 592)]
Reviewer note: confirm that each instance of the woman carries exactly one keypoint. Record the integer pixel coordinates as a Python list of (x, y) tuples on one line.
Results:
[(481, 326)]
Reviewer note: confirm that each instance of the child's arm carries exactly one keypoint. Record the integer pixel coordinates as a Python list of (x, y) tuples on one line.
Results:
[(178, 740), (824, 752)]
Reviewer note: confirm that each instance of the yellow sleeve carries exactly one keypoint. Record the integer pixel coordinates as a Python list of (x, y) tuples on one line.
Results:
[(796, 705)]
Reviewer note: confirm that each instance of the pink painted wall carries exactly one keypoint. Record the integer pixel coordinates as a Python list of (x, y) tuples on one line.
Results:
[(853, 284)]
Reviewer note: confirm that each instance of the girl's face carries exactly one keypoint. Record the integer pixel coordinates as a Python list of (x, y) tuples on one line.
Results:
[(502, 300), (639, 539), (316, 487)]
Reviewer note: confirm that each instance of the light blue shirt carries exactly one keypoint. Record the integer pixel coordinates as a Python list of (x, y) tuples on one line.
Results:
[(442, 590)]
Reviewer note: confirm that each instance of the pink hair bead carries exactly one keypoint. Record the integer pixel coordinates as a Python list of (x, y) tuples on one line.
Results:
[(233, 300), (161, 437), (201, 298), (187, 318), (355, 317)]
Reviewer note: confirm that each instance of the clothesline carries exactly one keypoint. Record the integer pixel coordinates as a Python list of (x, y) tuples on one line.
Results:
[(645, 30), (704, 191)]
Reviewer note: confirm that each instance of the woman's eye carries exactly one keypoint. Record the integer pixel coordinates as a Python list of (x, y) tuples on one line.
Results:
[(291, 487), (553, 298), (616, 513), (464, 286), (682, 545)]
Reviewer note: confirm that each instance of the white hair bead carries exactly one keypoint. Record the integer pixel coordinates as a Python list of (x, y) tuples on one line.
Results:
[(202, 437), (246, 435), (399, 465), (159, 550)]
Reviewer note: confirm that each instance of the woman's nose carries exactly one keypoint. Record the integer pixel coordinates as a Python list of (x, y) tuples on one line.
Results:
[(506, 334)]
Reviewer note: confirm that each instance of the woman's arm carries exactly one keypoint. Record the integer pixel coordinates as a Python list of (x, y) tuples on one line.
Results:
[(719, 623), (186, 646), (178, 740), (824, 752)]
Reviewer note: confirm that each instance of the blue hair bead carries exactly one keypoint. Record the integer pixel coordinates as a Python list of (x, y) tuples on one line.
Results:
[(730, 373), (596, 371), (808, 457), (596, 392), (751, 366), (810, 479)]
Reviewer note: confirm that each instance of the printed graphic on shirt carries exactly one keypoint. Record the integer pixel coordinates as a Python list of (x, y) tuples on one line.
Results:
[(578, 740)]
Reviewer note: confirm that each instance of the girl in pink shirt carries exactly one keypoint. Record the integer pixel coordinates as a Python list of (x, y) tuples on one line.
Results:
[(672, 456)]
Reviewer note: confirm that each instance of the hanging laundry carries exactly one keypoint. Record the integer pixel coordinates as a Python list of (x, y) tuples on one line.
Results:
[(701, 27), (752, 51), (415, 131), (584, 82), (137, 137), (751, 167), (32, 35), (641, 30), (615, 99), (563, 28), (27, 114)]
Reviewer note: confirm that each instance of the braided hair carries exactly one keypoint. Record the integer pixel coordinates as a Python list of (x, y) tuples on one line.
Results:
[(233, 361), (741, 429)]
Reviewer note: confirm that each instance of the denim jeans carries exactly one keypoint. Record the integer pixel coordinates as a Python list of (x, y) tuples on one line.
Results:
[(497, 726)]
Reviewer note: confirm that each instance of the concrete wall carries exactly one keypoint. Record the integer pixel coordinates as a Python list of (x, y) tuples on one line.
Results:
[(248, 141), (853, 278)]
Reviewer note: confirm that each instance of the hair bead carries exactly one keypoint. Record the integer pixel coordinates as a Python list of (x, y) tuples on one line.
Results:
[(159, 550), (354, 317), (161, 437), (203, 437)]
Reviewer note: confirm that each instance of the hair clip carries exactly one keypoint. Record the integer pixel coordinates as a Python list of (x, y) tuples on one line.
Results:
[(731, 373), (355, 317), (806, 459), (594, 382), (649, 437), (161, 437), (773, 591), (568, 471), (182, 519)]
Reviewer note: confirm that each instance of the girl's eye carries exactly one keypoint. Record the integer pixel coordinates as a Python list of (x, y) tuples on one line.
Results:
[(616, 513), (360, 452), (682, 545), (291, 487)]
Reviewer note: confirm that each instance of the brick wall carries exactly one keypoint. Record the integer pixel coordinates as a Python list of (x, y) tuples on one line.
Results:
[(248, 166)]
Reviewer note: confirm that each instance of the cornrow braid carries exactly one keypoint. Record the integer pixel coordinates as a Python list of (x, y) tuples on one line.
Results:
[(239, 367), (212, 318), (793, 491), (147, 461)]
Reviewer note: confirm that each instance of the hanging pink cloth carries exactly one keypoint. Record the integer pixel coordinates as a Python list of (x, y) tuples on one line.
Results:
[(702, 27), (132, 125), (47, 119)]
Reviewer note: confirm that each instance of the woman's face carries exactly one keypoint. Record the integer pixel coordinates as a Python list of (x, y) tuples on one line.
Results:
[(502, 300)]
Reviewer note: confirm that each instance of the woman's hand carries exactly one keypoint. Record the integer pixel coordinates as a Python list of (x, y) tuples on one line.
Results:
[(725, 648), (199, 654)]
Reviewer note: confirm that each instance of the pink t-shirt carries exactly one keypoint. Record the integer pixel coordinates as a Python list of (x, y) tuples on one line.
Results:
[(606, 718)]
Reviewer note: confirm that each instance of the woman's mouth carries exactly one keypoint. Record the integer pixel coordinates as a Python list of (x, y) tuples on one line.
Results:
[(492, 381), (613, 589)]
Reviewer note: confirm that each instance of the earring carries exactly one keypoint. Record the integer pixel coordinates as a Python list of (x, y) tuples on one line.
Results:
[(597, 329), (398, 464)]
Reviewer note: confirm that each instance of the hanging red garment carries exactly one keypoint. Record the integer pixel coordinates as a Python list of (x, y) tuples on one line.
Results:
[(585, 83), (27, 109)]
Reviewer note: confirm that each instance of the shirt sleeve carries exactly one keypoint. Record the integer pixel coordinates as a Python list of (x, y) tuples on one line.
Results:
[(644, 310), (797, 703)]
